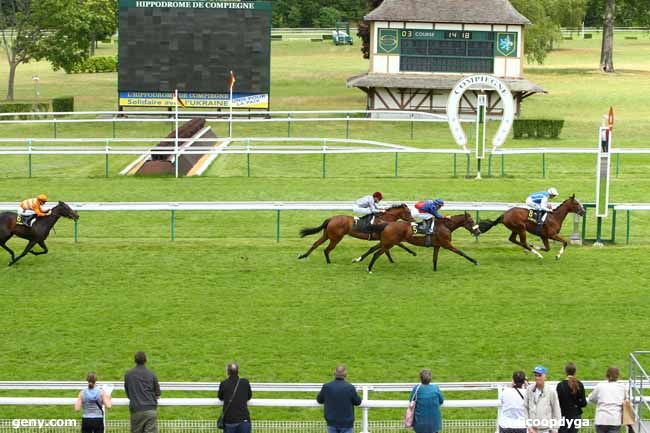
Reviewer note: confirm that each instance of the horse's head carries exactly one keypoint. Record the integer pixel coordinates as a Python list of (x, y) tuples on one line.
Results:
[(470, 225), (62, 209), (574, 205), (400, 212)]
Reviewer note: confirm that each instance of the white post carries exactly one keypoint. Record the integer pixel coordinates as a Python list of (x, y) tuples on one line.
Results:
[(481, 131), (176, 133), (575, 236), (230, 84), (364, 411)]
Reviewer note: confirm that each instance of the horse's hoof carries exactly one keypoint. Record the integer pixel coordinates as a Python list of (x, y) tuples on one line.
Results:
[(357, 260), (477, 264), (557, 257)]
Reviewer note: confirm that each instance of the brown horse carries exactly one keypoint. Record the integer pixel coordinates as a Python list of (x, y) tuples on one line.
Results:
[(516, 219), (36, 234), (398, 232), (337, 227)]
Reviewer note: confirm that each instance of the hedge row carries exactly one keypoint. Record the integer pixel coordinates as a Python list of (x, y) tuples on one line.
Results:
[(97, 64), (537, 128), (64, 103)]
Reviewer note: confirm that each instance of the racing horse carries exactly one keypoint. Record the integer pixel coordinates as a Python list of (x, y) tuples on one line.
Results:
[(36, 234), (335, 228), (399, 231), (518, 222)]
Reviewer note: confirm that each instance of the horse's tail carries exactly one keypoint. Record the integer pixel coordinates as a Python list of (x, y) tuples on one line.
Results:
[(486, 225), (313, 230)]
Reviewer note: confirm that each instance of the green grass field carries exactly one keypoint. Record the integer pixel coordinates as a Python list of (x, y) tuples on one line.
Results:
[(225, 289)]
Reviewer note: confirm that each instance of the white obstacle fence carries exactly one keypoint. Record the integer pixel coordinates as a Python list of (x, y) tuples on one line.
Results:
[(364, 425)]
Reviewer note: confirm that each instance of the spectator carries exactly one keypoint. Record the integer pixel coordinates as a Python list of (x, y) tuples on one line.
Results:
[(608, 397), (142, 389), (512, 413), (339, 398), (542, 406), (428, 400), (235, 393), (92, 400), (571, 394)]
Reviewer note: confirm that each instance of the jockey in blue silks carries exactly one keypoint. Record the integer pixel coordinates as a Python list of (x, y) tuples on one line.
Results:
[(426, 211), (539, 202)]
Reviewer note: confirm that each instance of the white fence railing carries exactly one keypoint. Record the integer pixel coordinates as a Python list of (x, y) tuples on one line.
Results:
[(368, 404)]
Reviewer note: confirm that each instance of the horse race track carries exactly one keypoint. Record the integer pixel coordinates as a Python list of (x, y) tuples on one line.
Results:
[(225, 289)]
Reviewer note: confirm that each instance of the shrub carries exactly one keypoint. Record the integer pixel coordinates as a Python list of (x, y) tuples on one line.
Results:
[(94, 65), (63, 104), (537, 128), (24, 107)]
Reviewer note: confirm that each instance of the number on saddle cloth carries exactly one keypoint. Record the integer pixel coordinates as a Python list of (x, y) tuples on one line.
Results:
[(25, 220)]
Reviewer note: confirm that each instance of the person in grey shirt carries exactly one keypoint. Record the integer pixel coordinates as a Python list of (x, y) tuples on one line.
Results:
[(142, 389), (542, 405)]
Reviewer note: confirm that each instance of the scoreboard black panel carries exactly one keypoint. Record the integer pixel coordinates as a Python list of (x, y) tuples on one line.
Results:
[(193, 45)]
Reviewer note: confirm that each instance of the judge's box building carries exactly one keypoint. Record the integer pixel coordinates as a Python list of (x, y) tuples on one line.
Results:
[(419, 49)]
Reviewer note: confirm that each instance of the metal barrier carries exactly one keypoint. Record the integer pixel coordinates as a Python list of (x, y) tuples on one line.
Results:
[(264, 426)]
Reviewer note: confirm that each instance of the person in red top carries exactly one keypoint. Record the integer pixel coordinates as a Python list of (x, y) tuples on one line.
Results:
[(31, 208)]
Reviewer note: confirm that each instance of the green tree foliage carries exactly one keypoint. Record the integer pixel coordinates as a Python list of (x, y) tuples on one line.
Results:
[(315, 13), (629, 13), (544, 32), (75, 25), (20, 36)]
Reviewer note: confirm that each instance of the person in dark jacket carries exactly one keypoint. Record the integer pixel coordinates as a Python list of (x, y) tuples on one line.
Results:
[(235, 393), (571, 394), (143, 390), (339, 398)]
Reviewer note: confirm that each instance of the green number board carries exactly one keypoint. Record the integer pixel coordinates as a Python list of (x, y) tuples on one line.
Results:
[(390, 40)]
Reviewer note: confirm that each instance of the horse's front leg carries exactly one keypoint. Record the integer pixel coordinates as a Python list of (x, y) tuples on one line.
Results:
[(38, 253), (450, 247), (408, 250), (436, 250), (367, 253), (28, 248), (558, 238)]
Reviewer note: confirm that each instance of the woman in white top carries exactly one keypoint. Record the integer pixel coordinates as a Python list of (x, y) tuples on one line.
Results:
[(609, 397), (512, 414)]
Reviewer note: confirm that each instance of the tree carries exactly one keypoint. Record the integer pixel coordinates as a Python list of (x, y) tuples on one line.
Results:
[(20, 36), (75, 26), (328, 17), (607, 48), (544, 31)]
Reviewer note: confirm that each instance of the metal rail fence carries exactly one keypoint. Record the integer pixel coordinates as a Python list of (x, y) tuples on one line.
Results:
[(277, 207)]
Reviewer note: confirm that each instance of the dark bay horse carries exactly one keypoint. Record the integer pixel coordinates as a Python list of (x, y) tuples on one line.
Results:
[(516, 220), (399, 231), (335, 228), (35, 234)]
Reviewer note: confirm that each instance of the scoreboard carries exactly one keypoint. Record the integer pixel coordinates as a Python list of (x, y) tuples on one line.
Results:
[(454, 51), (191, 46)]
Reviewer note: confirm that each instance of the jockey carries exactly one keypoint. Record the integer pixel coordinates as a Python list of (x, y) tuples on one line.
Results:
[(539, 202), (32, 207), (366, 206), (426, 211)]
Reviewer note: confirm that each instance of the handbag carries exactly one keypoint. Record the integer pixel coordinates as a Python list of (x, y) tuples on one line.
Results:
[(410, 410), (628, 413), (221, 423)]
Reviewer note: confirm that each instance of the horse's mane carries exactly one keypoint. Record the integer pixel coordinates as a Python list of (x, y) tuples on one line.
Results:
[(397, 206)]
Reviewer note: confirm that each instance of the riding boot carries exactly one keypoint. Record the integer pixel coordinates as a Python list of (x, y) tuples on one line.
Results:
[(540, 221), (429, 226)]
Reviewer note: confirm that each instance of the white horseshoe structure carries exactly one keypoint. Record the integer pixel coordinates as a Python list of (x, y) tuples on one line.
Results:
[(482, 82)]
